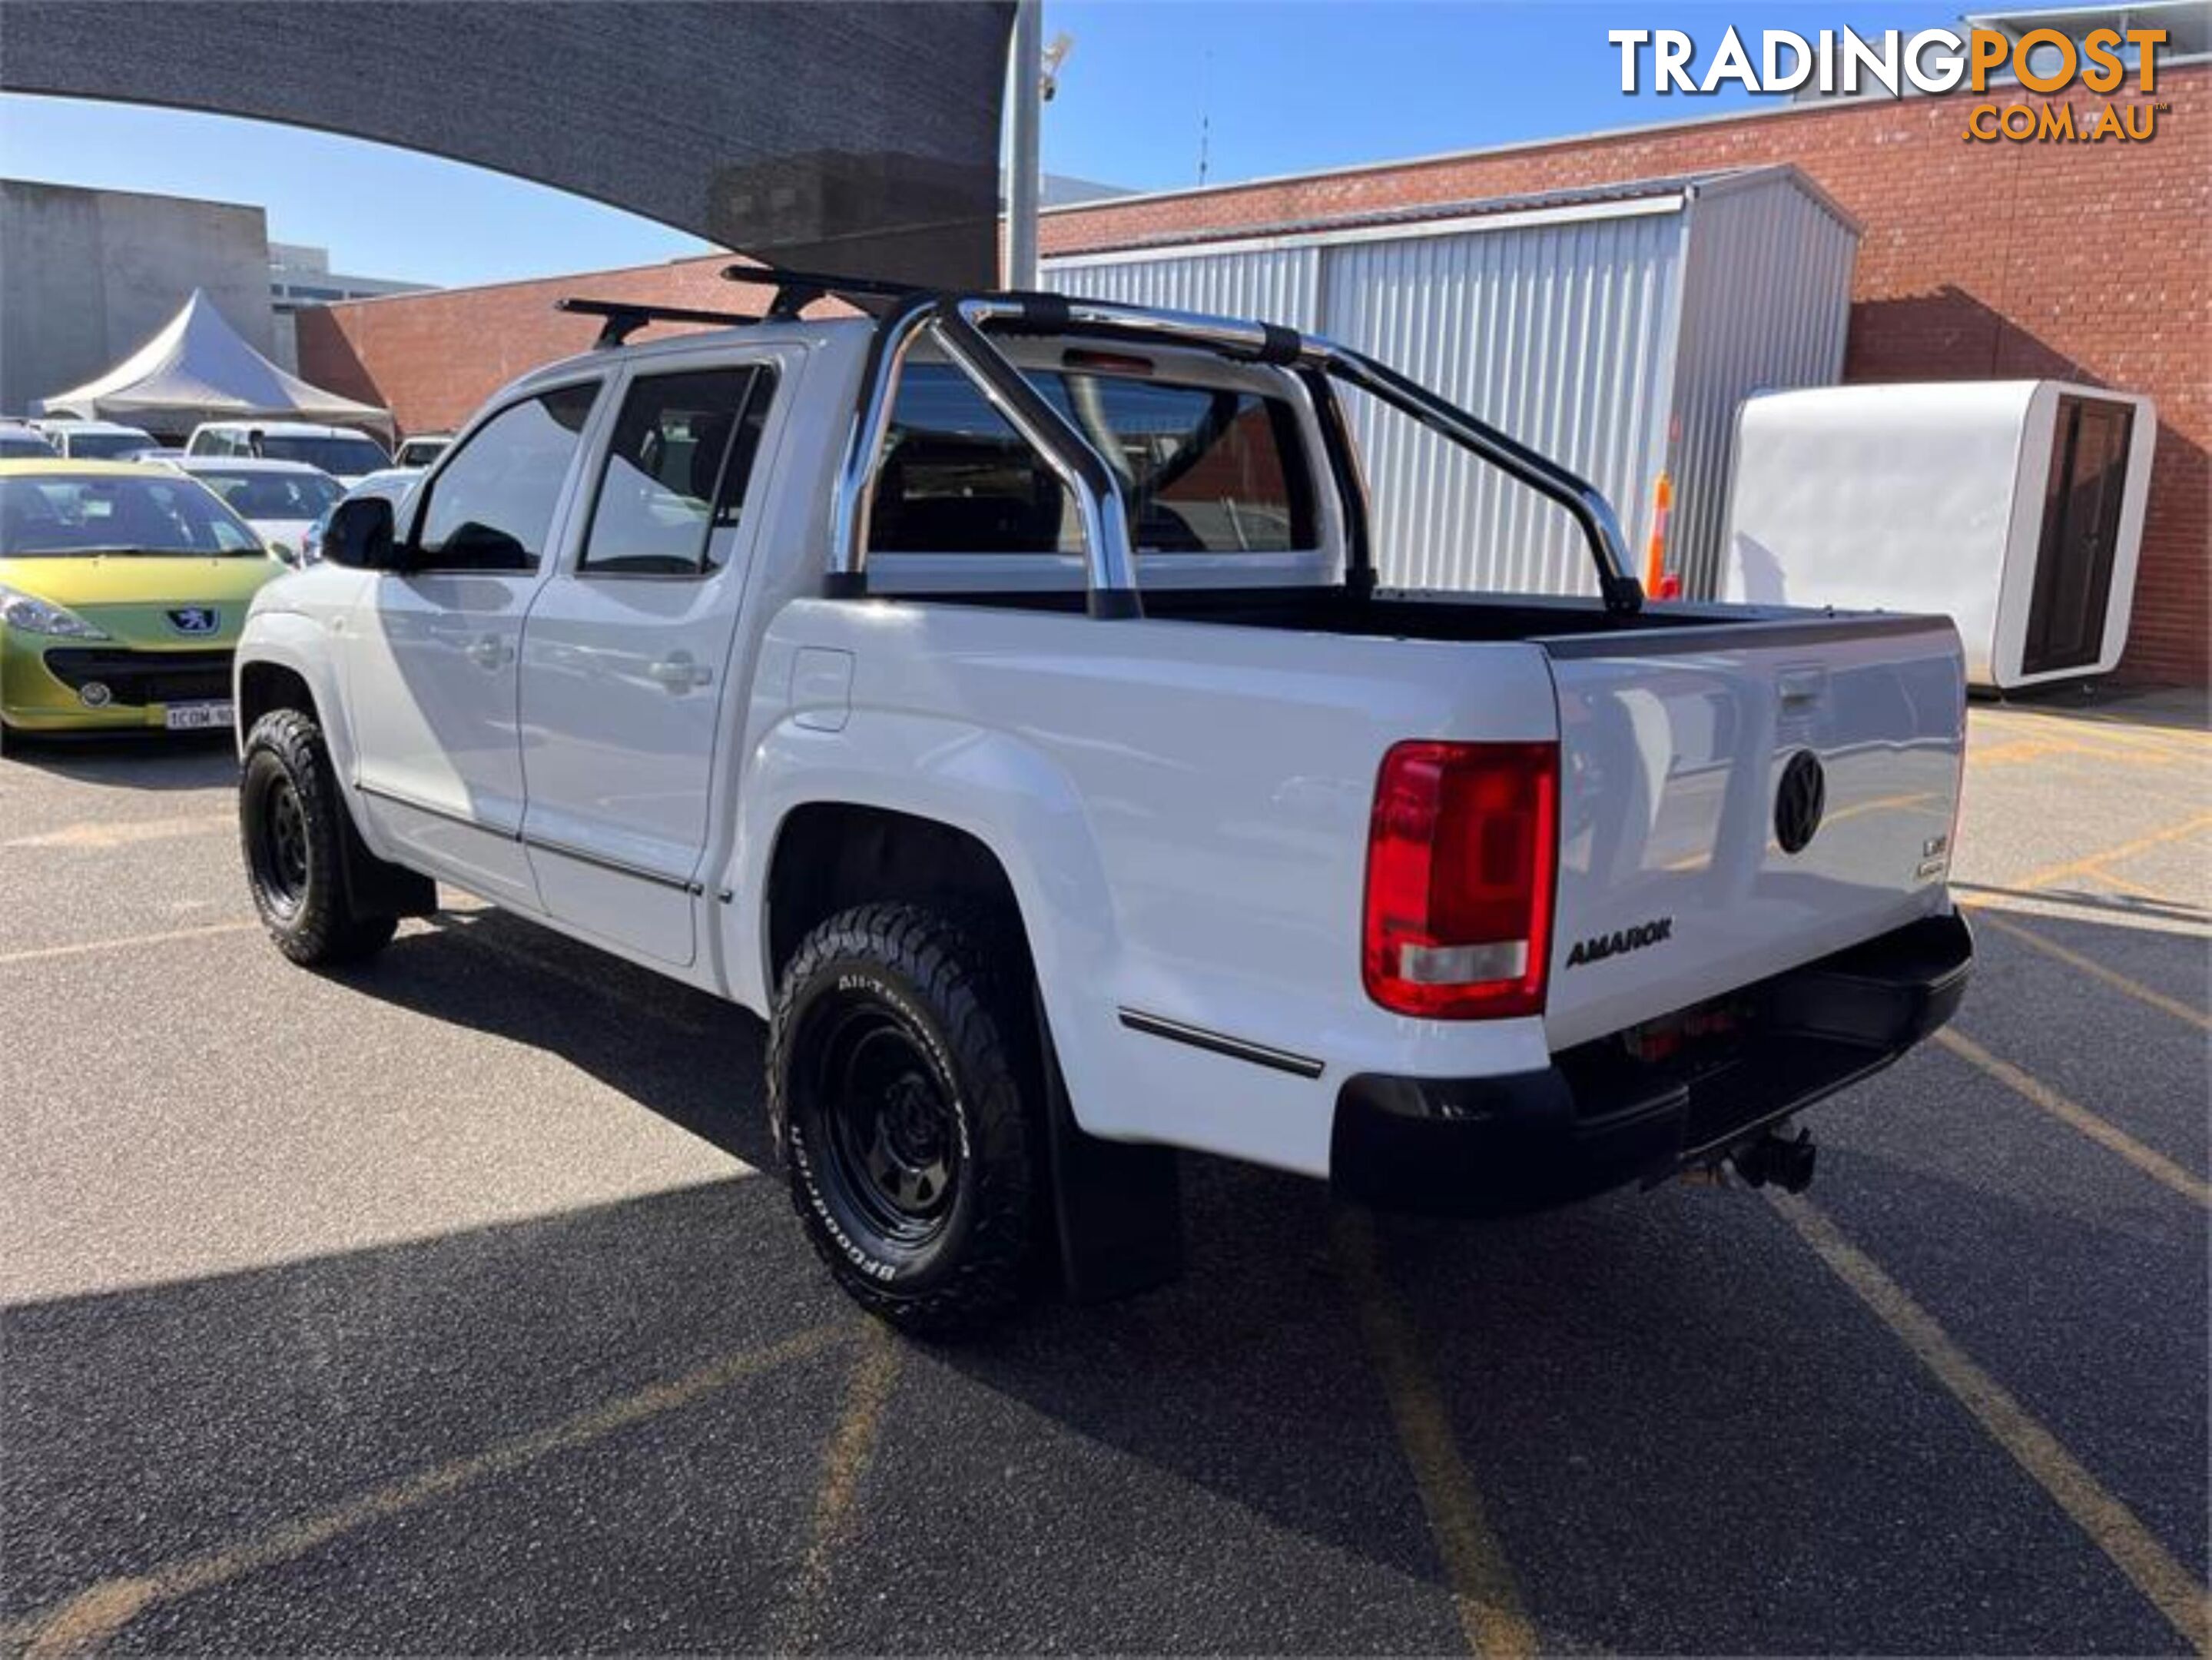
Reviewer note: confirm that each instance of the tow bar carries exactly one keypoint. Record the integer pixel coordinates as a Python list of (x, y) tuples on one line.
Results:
[(1786, 1162)]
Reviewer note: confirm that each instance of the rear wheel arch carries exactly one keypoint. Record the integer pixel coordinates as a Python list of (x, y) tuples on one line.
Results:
[(829, 856), (1114, 1210)]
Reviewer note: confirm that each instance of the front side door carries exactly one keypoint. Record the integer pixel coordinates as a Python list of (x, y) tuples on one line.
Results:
[(627, 658), (432, 677)]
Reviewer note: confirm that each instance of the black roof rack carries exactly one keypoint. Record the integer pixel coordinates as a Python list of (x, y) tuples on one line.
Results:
[(625, 317), (797, 289)]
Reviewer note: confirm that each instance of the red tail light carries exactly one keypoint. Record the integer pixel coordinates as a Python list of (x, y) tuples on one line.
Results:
[(1461, 858)]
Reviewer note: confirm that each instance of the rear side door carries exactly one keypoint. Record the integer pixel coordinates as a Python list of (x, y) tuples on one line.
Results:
[(627, 658), (432, 659)]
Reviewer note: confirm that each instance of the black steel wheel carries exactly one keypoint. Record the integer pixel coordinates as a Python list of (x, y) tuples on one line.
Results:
[(279, 852), (891, 1142), (901, 1061)]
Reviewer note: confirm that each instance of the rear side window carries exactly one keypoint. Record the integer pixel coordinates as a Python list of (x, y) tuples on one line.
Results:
[(675, 476), (492, 507), (1202, 469)]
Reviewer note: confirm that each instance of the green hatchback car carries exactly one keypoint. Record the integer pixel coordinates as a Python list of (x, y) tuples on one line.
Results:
[(122, 592)]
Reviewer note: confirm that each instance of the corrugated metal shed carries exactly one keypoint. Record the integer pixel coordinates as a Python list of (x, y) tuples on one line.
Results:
[(1616, 328)]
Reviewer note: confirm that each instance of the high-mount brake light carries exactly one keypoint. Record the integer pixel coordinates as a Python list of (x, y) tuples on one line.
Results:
[(1105, 362), (1462, 869)]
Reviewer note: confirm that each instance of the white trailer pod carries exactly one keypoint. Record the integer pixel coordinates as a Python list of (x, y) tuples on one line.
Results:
[(2013, 506)]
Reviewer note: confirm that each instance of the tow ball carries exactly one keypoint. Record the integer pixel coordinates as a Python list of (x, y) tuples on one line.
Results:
[(1787, 1162)]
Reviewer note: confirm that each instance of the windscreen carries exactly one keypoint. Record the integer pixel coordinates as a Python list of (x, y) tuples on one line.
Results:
[(64, 515), (107, 446), (274, 495), (349, 457)]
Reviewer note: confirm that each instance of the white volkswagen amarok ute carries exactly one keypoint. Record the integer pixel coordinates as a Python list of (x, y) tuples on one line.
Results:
[(993, 691)]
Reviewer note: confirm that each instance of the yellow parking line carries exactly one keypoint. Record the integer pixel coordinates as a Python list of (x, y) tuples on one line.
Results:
[(2113, 977), (130, 942), (844, 1461), (2014, 751), (119, 833), (2111, 1525), (1483, 1588), (2156, 1165), (2129, 884), (88, 1620), (2133, 732), (2111, 729), (2089, 864)]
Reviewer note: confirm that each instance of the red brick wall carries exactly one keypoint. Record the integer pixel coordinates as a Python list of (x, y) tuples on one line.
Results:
[(432, 359), (2087, 262)]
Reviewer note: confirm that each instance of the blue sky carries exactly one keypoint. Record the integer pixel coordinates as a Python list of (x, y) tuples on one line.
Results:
[(1284, 87)]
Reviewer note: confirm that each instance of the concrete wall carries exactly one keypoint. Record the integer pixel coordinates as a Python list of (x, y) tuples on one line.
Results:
[(86, 276)]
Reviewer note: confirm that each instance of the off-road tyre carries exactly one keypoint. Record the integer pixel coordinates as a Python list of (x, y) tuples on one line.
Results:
[(891, 1018), (295, 837)]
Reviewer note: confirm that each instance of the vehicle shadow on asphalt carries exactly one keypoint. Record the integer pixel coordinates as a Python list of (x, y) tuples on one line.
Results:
[(1247, 1377), (225, 1422), (692, 1059), (1684, 1432), (153, 761), (1684, 1435)]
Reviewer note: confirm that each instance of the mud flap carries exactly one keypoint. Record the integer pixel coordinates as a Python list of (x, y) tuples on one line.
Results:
[(1116, 1206), (374, 888)]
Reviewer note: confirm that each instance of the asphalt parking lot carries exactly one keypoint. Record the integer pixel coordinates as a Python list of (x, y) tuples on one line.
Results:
[(450, 1305)]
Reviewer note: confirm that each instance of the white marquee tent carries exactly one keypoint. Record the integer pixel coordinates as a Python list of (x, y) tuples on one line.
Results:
[(199, 369)]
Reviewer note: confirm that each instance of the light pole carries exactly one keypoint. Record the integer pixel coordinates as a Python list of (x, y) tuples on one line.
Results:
[(1023, 148)]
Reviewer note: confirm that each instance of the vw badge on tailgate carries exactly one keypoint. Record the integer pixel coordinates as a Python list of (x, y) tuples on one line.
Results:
[(1799, 803)]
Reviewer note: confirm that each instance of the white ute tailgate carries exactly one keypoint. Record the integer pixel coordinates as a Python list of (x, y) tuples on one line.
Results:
[(1673, 886)]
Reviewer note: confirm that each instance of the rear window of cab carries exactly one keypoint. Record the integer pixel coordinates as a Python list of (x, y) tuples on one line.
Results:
[(1201, 469)]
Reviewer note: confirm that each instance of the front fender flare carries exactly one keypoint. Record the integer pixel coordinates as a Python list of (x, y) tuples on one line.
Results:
[(291, 640)]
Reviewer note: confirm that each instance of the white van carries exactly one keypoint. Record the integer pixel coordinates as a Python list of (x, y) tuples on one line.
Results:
[(95, 440), (347, 455)]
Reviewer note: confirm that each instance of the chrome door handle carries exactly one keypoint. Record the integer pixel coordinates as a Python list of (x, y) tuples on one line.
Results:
[(488, 652), (680, 673)]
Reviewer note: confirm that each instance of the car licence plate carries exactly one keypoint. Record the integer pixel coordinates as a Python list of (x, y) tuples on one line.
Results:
[(197, 717)]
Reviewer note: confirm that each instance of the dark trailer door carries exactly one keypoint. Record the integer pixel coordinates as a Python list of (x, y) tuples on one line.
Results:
[(2073, 587)]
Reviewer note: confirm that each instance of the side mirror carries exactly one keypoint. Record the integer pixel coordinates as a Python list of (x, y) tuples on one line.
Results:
[(284, 555), (359, 535)]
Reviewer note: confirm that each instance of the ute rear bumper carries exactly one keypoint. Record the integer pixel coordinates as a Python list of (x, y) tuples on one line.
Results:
[(1596, 1118)]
